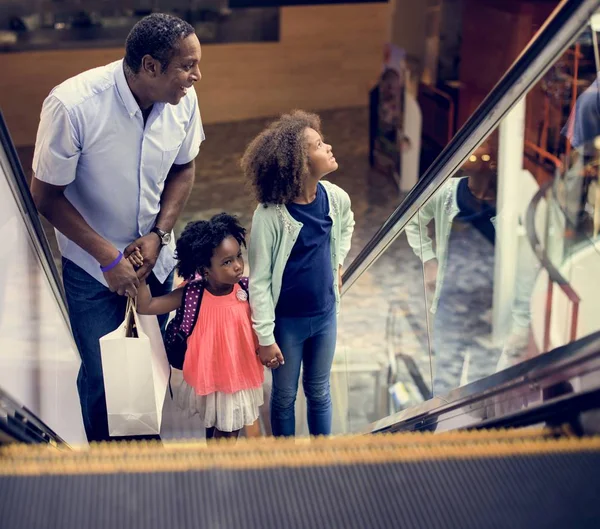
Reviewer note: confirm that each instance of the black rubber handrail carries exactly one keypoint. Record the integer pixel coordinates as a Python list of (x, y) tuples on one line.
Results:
[(19, 424), (549, 369)]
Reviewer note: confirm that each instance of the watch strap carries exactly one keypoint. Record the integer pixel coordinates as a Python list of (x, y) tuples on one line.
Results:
[(161, 234)]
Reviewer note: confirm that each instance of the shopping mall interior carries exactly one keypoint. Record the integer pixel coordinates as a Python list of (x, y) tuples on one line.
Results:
[(465, 384)]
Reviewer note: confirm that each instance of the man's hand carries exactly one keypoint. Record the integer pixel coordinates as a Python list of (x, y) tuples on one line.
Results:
[(340, 279), (122, 279), (149, 247), (270, 356)]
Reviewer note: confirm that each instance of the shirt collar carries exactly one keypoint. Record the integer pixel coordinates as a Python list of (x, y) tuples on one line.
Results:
[(125, 92)]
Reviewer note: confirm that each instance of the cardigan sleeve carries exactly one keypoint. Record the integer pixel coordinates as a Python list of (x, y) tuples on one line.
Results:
[(416, 231), (260, 256), (346, 224)]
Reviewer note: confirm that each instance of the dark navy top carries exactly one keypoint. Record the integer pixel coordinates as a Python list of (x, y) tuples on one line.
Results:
[(584, 123), (307, 285), (474, 211)]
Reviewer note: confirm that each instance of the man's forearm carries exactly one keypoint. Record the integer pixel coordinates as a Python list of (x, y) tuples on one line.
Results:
[(175, 195), (66, 219)]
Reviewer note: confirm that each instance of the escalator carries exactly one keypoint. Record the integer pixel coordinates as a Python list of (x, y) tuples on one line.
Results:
[(488, 421), (517, 479)]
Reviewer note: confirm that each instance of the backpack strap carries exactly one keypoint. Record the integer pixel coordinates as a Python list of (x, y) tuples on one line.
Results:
[(245, 285), (190, 308), (192, 296)]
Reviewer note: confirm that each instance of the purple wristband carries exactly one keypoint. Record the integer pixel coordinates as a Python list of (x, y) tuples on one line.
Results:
[(113, 264)]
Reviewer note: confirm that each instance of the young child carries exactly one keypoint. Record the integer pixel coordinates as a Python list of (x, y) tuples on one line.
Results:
[(301, 235), (222, 376)]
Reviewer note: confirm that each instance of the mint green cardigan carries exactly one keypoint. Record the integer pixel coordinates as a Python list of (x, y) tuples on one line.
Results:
[(274, 233)]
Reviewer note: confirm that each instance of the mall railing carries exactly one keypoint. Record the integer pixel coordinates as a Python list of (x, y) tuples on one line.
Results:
[(561, 228), (544, 156), (554, 275)]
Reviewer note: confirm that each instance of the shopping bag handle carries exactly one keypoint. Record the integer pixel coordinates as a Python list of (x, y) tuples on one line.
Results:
[(131, 308), (131, 304)]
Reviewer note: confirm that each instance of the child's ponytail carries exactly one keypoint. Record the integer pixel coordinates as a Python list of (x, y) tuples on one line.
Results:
[(199, 239), (188, 249)]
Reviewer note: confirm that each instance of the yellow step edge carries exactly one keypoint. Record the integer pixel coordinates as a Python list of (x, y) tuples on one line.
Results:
[(282, 455), (269, 444)]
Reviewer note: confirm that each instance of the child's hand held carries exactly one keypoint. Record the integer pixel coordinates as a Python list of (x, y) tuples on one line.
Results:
[(270, 356), (136, 258)]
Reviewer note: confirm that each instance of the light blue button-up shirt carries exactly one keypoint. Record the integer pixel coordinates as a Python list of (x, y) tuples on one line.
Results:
[(92, 139)]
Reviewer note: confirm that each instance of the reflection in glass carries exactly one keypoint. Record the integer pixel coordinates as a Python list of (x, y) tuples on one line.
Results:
[(454, 236), (496, 268)]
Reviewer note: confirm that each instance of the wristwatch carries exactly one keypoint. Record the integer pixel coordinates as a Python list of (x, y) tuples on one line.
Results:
[(164, 236)]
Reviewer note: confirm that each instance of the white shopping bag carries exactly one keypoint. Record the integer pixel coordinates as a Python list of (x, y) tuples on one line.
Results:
[(136, 375)]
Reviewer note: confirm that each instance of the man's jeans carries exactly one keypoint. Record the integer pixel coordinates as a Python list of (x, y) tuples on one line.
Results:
[(95, 311), (308, 341)]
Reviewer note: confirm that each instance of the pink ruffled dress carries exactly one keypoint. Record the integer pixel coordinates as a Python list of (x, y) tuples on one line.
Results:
[(222, 374)]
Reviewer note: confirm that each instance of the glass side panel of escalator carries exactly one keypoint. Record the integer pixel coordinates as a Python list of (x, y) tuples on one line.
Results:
[(38, 358), (499, 266)]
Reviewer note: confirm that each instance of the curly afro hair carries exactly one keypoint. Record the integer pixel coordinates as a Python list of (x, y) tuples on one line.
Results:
[(157, 35), (276, 161), (197, 243)]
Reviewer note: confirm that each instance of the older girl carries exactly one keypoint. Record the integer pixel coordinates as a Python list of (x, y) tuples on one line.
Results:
[(301, 235)]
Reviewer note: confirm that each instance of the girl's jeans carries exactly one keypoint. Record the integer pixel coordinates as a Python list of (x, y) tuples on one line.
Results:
[(310, 341)]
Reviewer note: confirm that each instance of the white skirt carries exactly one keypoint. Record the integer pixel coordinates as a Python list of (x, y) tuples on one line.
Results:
[(226, 412)]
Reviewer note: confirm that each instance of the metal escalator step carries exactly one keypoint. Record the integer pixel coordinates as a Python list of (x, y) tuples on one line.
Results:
[(466, 480)]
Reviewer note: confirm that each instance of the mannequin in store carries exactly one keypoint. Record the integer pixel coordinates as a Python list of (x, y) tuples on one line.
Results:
[(410, 137)]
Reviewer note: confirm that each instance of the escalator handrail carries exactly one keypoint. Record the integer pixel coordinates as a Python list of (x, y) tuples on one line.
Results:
[(556, 367), (20, 424), (565, 23)]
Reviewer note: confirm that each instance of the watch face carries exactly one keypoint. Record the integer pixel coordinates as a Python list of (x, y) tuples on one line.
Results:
[(166, 238)]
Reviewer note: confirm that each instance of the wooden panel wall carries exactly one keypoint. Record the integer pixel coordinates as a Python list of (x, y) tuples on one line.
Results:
[(327, 57), (494, 33)]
